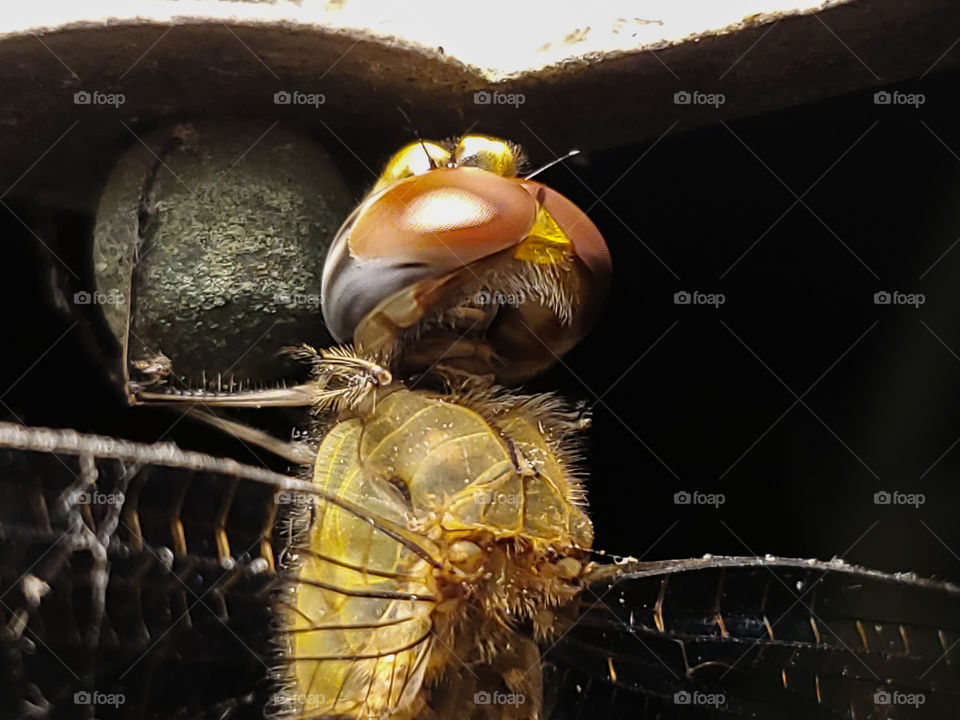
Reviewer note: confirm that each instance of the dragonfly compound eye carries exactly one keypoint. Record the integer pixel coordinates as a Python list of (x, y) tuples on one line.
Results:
[(466, 263)]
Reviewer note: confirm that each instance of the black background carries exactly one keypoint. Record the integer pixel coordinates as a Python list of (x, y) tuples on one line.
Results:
[(702, 406)]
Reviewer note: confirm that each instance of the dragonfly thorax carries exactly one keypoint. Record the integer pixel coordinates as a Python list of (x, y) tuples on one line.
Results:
[(459, 527)]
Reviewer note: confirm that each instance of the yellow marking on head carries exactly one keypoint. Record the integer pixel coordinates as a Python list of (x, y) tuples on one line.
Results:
[(487, 153), (546, 243), (412, 159)]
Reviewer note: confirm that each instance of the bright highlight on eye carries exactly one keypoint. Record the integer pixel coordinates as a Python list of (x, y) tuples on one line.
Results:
[(446, 209)]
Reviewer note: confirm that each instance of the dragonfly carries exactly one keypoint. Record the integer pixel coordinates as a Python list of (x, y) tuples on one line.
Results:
[(435, 558)]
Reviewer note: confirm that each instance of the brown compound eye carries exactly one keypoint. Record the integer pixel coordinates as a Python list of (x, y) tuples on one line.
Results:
[(586, 241), (448, 217), (568, 267), (420, 227)]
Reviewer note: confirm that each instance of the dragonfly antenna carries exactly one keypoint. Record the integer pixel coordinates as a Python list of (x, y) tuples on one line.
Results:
[(552, 163), (412, 129)]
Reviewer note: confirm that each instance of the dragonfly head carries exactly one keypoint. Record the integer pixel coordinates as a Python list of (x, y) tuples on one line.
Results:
[(454, 259)]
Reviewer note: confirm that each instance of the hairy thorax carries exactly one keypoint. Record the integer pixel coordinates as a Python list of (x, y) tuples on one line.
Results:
[(479, 535)]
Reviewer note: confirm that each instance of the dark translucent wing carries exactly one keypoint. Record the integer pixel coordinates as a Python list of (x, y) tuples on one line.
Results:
[(728, 637), (156, 606)]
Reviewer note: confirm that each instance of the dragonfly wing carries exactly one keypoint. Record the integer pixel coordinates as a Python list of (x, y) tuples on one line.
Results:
[(758, 638), (134, 580)]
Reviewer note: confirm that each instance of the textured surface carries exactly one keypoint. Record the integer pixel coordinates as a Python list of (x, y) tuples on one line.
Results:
[(230, 225)]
